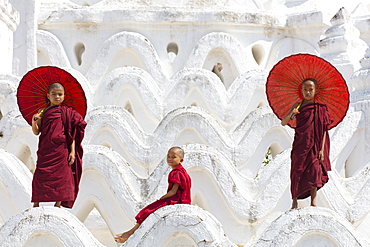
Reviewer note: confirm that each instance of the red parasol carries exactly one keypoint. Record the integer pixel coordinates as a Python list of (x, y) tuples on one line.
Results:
[(33, 89), (283, 87)]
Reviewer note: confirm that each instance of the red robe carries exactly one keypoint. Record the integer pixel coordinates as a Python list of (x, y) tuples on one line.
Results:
[(307, 172), (182, 196), (54, 179)]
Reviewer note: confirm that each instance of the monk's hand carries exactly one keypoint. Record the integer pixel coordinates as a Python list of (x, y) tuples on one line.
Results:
[(71, 158), (321, 155), (295, 111), (36, 117)]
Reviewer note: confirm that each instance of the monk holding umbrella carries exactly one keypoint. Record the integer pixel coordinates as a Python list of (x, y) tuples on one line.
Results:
[(311, 96), (54, 104)]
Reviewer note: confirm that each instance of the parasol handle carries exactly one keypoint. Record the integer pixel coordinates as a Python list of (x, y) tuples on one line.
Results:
[(35, 119), (292, 116)]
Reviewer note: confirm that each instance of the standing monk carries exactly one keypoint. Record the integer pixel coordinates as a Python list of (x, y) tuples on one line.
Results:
[(59, 155), (310, 161)]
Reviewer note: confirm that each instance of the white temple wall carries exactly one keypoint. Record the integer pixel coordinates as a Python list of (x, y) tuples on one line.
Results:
[(9, 19), (25, 52), (145, 67)]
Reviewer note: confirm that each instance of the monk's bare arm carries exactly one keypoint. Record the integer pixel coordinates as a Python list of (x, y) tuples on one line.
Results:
[(292, 110), (71, 156), (36, 124), (172, 192), (321, 152)]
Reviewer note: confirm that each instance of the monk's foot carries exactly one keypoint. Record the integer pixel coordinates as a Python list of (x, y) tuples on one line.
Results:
[(36, 204), (57, 204), (121, 238), (294, 204)]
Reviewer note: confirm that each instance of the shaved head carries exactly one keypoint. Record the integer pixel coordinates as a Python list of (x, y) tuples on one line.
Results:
[(179, 151)]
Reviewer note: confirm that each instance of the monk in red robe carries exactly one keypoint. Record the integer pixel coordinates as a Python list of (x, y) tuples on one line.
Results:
[(59, 156), (178, 191), (310, 161)]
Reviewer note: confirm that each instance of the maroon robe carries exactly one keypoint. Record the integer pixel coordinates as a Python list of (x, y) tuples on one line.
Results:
[(307, 172), (54, 179), (180, 176)]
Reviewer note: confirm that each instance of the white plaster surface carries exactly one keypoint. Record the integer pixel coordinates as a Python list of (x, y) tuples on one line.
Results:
[(146, 69)]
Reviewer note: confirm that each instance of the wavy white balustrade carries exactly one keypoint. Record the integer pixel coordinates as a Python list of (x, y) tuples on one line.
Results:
[(246, 146), (108, 178), (310, 227), (57, 227), (218, 187), (47, 226), (229, 181), (180, 224), (188, 87), (229, 106), (110, 125), (15, 185), (116, 127), (350, 197)]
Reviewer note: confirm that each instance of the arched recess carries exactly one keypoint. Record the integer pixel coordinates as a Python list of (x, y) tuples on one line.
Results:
[(42, 58), (272, 150), (106, 135), (229, 72), (350, 160), (288, 46), (189, 136), (242, 61), (126, 49), (353, 164), (86, 3), (133, 89), (320, 239), (23, 144), (24, 154), (180, 239), (99, 228), (126, 57), (50, 50), (130, 99), (276, 139), (197, 97), (3, 106), (106, 144), (43, 239), (129, 108)]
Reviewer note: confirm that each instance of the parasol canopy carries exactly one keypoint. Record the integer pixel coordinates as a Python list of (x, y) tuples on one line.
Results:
[(284, 83), (33, 88)]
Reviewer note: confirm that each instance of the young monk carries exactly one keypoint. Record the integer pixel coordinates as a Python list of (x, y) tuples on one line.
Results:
[(178, 191), (59, 155), (310, 161)]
